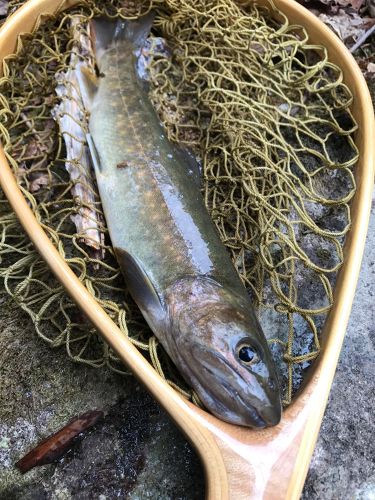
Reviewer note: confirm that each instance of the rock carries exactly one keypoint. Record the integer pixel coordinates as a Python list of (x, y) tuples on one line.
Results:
[(135, 452), (343, 462)]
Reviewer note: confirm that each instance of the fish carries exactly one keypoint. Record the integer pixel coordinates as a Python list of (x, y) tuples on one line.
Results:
[(55, 445), (169, 250)]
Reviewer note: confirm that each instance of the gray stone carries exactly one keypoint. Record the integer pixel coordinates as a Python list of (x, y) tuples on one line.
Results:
[(343, 465), (136, 451)]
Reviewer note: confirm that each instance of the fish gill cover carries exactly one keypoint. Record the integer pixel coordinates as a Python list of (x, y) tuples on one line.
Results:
[(269, 116)]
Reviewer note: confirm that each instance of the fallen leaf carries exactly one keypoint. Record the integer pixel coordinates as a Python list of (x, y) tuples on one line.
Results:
[(334, 5), (370, 71), (38, 182), (348, 26), (371, 7), (21, 171), (55, 445), (34, 148), (356, 4), (3, 8)]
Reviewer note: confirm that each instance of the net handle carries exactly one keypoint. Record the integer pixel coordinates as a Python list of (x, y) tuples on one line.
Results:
[(239, 463)]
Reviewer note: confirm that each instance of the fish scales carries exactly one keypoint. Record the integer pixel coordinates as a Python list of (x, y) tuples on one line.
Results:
[(156, 191), (174, 263)]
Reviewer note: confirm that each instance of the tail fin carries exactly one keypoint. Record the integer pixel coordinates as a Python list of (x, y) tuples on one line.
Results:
[(136, 31), (104, 31)]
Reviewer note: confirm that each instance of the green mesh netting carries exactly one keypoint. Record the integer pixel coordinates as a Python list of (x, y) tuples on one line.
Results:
[(269, 116)]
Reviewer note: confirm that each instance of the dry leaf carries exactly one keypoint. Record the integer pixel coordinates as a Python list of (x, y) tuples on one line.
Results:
[(37, 148), (371, 7), (3, 8), (40, 181), (334, 5), (356, 4), (348, 26)]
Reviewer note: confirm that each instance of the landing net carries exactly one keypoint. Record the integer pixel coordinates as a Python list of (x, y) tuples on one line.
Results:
[(269, 116)]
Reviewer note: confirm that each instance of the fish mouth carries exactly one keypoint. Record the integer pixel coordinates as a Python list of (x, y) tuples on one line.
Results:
[(252, 414), (225, 392)]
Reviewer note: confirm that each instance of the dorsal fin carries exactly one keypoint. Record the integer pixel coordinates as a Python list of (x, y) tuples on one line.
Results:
[(88, 85)]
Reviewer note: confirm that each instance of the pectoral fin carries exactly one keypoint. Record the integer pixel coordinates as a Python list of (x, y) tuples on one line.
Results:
[(141, 288)]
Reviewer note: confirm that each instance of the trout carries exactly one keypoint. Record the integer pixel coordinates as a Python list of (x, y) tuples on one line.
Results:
[(168, 248)]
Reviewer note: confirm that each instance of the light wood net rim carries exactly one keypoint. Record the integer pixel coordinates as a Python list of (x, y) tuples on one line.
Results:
[(282, 453)]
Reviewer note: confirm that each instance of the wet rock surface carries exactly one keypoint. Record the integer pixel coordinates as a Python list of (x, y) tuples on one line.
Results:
[(135, 451), (343, 465)]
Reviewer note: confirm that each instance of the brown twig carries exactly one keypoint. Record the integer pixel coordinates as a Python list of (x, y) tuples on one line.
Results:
[(55, 445), (362, 39)]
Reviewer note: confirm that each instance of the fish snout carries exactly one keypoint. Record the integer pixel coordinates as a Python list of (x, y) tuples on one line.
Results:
[(232, 397), (258, 407), (272, 409), (272, 414)]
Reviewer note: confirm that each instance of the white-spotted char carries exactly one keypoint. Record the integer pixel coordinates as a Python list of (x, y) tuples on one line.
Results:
[(174, 263)]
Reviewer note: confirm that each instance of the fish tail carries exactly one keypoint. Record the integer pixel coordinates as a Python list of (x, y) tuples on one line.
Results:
[(136, 31), (105, 31), (102, 33)]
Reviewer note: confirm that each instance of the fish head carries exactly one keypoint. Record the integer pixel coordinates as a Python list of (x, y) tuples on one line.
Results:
[(220, 349)]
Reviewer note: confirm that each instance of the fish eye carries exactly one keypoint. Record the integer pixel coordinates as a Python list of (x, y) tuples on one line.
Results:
[(247, 354)]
